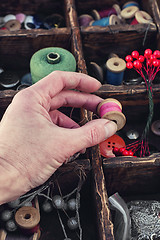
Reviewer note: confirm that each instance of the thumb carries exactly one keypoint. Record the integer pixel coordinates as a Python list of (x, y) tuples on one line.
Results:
[(93, 132)]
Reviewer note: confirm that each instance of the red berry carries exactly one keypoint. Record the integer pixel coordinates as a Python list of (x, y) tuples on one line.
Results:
[(157, 53), (121, 150), (115, 150), (152, 57), (156, 63), (129, 58), (148, 53), (135, 54), (137, 64), (141, 58), (130, 153), (129, 65), (125, 153)]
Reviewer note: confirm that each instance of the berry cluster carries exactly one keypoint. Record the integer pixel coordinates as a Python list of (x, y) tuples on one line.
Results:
[(151, 59), (122, 152)]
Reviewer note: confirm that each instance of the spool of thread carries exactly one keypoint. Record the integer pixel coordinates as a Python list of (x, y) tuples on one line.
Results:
[(111, 109), (134, 22), (115, 71), (115, 9), (130, 4), (50, 59), (95, 71), (103, 22), (129, 12), (84, 20), (143, 17), (28, 218), (10, 236)]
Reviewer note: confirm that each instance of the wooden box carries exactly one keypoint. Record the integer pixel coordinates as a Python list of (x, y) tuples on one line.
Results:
[(99, 42), (130, 177)]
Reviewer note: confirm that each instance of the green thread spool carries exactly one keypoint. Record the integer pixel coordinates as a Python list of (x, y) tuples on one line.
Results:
[(47, 60)]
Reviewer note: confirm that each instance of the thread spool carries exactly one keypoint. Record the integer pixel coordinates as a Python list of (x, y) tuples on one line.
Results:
[(28, 218), (8, 236), (115, 9), (111, 109), (130, 4), (103, 22), (115, 71), (84, 20), (50, 59), (143, 17), (129, 12), (95, 71)]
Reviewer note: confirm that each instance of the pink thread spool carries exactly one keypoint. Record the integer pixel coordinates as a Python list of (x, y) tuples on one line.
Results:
[(84, 20), (111, 109), (115, 9)]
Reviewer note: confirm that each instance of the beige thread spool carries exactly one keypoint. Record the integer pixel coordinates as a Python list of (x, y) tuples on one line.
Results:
[(129, 12), (115, 114), (143, 17)]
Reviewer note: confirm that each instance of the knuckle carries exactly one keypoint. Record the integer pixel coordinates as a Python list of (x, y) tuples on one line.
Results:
[(94, 136)]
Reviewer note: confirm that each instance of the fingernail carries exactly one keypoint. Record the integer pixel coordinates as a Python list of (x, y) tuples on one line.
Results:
[(110, 129)]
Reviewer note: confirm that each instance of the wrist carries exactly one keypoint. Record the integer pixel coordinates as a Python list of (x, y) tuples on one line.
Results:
[(12, 182)]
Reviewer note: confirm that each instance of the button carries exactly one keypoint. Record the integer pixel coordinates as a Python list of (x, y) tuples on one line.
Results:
[(155, 127), (107, 146), (132, 134), (13, 25), (9, 79)]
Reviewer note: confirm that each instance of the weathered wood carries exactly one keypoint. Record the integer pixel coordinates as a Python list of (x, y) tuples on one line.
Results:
[(104, 222), (131, 177)]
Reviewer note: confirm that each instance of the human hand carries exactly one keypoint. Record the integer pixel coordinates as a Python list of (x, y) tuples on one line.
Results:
[(36, 138)]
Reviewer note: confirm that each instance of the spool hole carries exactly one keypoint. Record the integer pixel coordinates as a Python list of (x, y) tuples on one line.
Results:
[(27, 216), (53, 55), (116, 64)]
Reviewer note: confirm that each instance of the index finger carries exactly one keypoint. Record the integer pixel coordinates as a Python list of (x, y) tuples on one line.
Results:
[(56, 81)]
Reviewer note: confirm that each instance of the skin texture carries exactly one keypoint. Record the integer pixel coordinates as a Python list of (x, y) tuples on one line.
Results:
[(33, 132)]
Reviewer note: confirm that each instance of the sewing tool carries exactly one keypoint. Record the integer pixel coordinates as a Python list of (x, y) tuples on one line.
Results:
[(84, 20), (50, 59), (115, 70), (115, 9), (111, 109)]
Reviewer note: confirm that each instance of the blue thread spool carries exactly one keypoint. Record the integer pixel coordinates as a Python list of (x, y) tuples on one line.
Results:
[(130, 4), (115, 71), (103, 22)]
